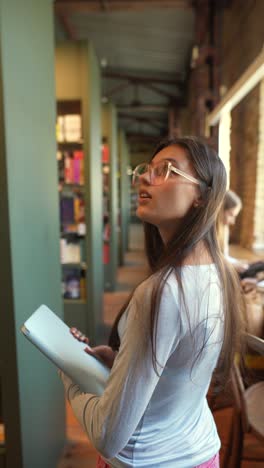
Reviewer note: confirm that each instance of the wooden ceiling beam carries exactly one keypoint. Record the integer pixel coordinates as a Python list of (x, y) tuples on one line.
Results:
[(152, 122), (68, 29), (143, 107), (140, 79), (87, 6), (170, 96), (142, 137), (146, 82), (117, 89), (138, 118)]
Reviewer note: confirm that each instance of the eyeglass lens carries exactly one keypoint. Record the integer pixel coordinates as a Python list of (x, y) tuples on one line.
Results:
[(158, 173)]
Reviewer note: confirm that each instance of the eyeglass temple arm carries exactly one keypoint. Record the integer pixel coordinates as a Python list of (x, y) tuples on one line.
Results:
[(183, 174)]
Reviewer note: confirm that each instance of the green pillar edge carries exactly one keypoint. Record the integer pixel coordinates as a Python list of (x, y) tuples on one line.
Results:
[(32, 394), (78, 78), (109, 129)]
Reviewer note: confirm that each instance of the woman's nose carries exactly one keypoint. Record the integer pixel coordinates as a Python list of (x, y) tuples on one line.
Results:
[(145, 178)]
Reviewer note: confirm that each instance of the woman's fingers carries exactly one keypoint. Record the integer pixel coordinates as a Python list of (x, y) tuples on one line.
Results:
[(79, 335), (103, 353)]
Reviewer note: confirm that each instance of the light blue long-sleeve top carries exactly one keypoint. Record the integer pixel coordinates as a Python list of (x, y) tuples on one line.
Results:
[(149, 420)]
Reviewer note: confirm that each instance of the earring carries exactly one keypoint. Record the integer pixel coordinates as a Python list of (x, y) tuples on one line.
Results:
[(196, 204)]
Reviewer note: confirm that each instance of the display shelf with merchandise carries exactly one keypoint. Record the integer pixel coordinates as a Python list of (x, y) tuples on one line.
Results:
[(70, 157), (78, 133), (110, 195)]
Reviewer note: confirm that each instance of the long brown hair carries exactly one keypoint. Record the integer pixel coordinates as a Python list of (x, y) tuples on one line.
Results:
[(199, 224)]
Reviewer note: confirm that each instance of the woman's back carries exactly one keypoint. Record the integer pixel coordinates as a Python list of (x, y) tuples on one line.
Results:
[(177, 428)]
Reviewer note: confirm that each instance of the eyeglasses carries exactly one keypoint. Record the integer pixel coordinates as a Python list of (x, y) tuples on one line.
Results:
[(158, 173)]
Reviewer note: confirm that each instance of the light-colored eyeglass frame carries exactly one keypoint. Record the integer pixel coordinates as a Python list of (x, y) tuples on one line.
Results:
[(170, 168)]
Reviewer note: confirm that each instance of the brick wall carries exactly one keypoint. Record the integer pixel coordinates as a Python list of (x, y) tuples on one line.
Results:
[(259, 201), (242, 41), (244, 151), (242, 38), (239, 40), (201, 89)]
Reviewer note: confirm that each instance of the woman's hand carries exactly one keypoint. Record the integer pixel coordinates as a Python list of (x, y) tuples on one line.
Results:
[(105, 354)]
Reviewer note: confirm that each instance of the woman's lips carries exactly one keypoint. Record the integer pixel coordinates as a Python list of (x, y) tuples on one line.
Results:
[(143, 197), (143, 201), (144, 194)]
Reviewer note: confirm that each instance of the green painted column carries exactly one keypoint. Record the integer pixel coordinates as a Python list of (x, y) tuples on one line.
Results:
[(109, 130), (125, 183), (32, 394), (78, 78)]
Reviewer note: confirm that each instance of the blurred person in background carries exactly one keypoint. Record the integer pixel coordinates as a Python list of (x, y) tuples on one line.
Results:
[(232, 206)]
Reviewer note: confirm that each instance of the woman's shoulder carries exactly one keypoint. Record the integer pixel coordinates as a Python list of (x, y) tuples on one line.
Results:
[(170, 278), (194, 277), (145, 288), (167, 282), (199, 268), (200, 278)]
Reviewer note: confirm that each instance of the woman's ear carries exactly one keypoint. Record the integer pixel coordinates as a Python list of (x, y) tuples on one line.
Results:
[(198, 202)]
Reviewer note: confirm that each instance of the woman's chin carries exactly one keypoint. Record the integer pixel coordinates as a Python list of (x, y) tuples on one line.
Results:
[(143, 215), (140, 213)]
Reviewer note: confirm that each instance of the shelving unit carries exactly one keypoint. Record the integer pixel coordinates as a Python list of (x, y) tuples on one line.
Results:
[(110, 196), (70, 157), (2, 443), (125, 188), (105, 151), (78, 93)]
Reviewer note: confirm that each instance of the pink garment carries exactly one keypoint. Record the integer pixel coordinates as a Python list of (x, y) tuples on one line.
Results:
[(212, 463), (101, 463)]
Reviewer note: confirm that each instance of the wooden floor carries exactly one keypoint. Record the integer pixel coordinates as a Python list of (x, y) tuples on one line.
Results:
[(78, 452)]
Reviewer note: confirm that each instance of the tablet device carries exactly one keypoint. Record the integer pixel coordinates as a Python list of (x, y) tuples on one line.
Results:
[(53, 338)]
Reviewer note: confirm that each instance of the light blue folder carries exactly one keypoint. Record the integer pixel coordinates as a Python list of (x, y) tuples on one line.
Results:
[(53, 338)]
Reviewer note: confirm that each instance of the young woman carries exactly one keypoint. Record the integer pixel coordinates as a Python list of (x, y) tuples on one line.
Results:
[(231, 208), (180, 324)]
